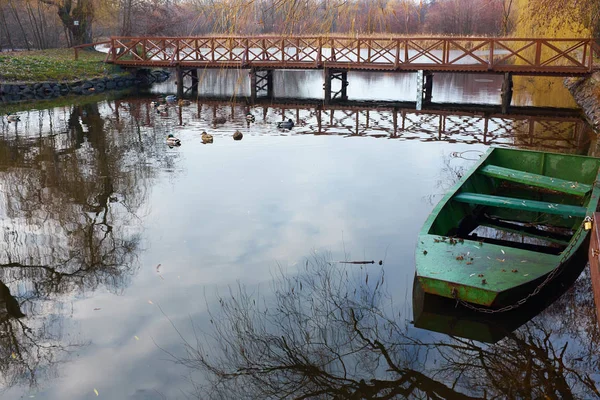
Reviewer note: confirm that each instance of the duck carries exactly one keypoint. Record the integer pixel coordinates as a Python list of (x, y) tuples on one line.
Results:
[(173, 141), (219, 120), (12, 117), (237, 135), (206, 138), (182, 102), (171, 98), (250, 117), (289, 124)]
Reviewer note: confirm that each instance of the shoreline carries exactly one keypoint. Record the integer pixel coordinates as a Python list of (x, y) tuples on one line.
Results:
[(12, 92), (586, 92)]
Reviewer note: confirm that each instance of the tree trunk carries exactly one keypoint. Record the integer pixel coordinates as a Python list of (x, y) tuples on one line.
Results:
[(77, 20)]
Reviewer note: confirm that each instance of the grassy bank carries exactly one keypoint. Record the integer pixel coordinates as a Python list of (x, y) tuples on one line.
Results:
[(53, 65)]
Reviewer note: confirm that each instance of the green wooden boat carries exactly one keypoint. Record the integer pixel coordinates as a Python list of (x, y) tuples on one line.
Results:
[(511, 221)]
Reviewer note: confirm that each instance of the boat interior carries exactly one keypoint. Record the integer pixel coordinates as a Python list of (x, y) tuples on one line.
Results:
[(521, 199)]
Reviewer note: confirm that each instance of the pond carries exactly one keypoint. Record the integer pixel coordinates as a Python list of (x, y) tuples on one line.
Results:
[(134, 270)]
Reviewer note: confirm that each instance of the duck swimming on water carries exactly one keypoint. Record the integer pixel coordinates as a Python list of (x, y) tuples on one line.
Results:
[(289, 124), (173, 141), (206, 138)]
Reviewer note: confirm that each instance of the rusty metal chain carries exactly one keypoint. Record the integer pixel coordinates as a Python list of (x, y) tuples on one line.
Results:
[(549, 278)]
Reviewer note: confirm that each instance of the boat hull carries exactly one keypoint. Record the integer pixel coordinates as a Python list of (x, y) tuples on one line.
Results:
[(471, 289), (512, 220)]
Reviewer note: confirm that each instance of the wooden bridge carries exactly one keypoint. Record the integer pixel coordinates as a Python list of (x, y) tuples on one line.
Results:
[(336, 55)]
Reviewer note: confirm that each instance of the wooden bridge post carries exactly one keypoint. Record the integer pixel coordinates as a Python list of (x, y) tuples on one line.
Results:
[(427, 87), (253, 85), (327, 85), (344, 91), (261, 80), (179, 74), (194, 75), (269, 77), (507, 91), (424, 88)]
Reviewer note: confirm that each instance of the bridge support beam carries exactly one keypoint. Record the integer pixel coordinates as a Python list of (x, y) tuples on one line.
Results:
[(194, 75), (507, 91), (330, 76), (261, 83), (179, 75), (424, 88)]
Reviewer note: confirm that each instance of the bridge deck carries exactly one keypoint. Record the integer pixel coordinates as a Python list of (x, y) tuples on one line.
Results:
[(524, 56)]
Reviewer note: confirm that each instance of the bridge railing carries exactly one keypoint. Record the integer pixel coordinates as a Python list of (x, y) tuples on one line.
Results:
[(527, 55)]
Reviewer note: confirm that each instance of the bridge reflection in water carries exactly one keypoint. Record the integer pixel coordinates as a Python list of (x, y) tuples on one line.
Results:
[(555, 129)]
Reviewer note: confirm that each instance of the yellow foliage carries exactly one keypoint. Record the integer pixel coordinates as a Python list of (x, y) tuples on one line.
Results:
[(536, 21)]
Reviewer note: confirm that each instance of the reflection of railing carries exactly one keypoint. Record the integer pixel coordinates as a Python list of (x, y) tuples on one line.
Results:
[(516, 55), (530, 127)]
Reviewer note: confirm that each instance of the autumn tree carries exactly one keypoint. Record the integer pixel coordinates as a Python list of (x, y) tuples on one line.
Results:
[(583, 12), (77, 17)]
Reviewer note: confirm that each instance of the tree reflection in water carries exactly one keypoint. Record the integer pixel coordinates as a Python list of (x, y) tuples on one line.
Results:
[(70, 201), (333, 333)]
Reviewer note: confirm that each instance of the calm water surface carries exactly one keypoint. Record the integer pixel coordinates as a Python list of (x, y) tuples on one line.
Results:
[(126, 255)]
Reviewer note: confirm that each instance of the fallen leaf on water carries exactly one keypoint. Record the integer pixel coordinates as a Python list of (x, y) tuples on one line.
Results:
[(13, 355), (97, 309), (96, 391), (526, 275), (501, 260), (150, 302), (502, 251), (157, 267), (471, 274), (136, 338), (524, 261)]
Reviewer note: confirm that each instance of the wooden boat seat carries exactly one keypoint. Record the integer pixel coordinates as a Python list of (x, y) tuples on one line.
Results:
[(528, 178), (520, 204)]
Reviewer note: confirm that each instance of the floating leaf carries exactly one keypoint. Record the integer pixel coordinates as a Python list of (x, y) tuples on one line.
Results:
[(13, 355), (158, 267), (150, 302), (97, 309), (502, 251), (96, 391), (136, 338)]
